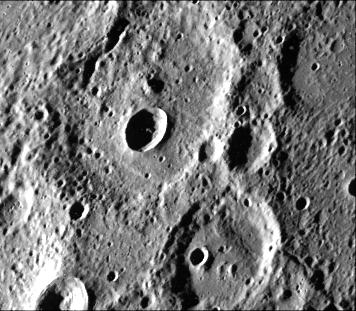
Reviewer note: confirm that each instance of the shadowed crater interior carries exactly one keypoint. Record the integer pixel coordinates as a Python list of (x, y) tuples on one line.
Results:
[(239, 145), (196, 257), (352, 187), (50, 300), (140, 129), (76, 211)]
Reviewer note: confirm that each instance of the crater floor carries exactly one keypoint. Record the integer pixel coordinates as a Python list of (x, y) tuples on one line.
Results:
[(177, 155)]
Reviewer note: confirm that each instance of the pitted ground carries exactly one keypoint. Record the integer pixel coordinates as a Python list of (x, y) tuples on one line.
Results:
[(260, 112)]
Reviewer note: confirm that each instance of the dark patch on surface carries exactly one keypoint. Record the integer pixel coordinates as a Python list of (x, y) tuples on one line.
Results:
[(287, 293), (144, 302), (202, 153), (111, 276), (330, 307), (196, 256), (72, 139), (185, 221), (301, 203), (50, 299), (76, 211), (244, 46), (181, 284), (115, 32), (140, 129), (181, 281), (239, 145), (16, 150), (241, 88), (55, 2), (6, 124), (318, 279), (287, 66), (177, 243), (39, 115), (89, 68), (319, 10), (329, 136), (156, 84), (55, 121), (238, 34), (91, 298), (352, 187)]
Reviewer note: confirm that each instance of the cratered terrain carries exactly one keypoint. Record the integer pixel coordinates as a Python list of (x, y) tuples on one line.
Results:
[(195, 155)]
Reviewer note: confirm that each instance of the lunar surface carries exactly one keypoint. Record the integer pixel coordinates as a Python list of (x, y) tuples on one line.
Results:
[(177, 155)]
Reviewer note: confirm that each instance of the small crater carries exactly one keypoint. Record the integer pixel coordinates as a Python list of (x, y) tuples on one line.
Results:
[(112, 276), (302, 203), (241, 110), (64, 294), (39, 115), (156, 85), (146, 129), (280, 196), (287, 293), (198, 256), (315, 66), (279, 40), (187, 68), (247, 202), (94, 90), (77, 211), (140, 128), (145, 301)]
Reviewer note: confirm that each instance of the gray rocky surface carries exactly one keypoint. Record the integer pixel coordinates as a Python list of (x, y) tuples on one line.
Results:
[(177, 155)]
